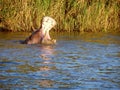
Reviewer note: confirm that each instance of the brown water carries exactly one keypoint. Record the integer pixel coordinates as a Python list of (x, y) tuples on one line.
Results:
[(77, 61)]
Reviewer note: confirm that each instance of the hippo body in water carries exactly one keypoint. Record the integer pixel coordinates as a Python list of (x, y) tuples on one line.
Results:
[(42, 35), (35, 37)]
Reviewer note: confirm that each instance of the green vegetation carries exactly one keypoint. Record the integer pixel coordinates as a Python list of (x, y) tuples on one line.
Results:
[(71, 15)]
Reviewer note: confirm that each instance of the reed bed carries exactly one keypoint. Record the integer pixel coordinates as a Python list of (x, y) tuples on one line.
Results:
[(71, 15)]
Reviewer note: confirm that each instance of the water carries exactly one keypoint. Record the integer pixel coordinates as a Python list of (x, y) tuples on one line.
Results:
[(77, 61)]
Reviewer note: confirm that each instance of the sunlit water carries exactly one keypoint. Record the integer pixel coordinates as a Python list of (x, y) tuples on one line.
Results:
[(77, 61)]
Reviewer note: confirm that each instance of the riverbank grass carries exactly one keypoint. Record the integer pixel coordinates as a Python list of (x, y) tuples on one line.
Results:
[(71, 15)]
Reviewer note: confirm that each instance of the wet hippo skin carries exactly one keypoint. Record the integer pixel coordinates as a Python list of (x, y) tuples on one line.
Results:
[(42, 35)]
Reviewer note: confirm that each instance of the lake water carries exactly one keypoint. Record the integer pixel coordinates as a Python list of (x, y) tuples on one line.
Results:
[(76, 62)]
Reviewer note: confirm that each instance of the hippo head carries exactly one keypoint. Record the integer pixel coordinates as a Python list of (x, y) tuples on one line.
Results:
[(42, 35), (48, 23)]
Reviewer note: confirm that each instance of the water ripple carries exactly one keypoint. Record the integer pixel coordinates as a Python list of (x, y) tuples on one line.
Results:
[(85, 61)]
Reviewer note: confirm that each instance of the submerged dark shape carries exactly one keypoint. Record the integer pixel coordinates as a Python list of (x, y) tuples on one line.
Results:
[(42, 34)]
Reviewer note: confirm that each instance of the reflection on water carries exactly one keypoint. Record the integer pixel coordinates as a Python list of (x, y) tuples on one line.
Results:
[(77, 61), (46, 83), (46, 51)]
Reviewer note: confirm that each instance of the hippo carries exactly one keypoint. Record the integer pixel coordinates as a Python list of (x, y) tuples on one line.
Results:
[(42, 34)]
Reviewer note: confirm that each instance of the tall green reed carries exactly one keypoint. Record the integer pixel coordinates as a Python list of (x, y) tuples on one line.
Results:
[(71, 15)]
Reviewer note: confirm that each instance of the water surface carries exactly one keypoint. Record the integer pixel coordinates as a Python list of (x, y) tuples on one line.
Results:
[(77, 61)]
